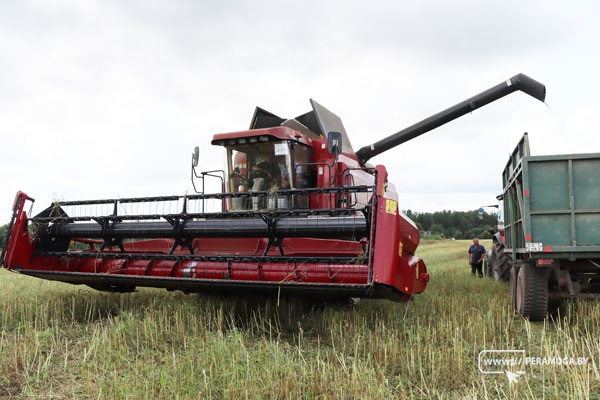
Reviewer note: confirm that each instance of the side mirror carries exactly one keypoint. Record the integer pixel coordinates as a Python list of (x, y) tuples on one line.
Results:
[(334, 143), (195, 156)]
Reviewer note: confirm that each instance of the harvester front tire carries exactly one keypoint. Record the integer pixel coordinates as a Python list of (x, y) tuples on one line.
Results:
[(501, 263), (532, 292)]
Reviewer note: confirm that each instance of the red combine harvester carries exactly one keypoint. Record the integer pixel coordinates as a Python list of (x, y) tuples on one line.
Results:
[(300, 213)]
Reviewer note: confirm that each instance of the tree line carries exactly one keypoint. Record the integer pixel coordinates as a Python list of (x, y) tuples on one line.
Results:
[(453, 224)]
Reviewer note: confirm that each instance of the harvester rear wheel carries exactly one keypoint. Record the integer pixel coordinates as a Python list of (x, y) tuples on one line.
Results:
[(532, 292), (501, 262)]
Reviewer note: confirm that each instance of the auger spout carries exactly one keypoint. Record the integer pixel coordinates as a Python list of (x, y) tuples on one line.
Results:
[(519, 82)]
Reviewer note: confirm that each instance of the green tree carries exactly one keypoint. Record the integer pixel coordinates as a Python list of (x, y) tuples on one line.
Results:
[(3, 230), (437, 229), (457, 234), (449, 223)]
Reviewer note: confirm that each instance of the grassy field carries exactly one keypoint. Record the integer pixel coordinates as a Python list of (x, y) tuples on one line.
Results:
[(63, 341)]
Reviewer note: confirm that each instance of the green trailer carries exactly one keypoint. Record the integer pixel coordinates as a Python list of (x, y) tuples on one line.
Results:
[(548, 244)]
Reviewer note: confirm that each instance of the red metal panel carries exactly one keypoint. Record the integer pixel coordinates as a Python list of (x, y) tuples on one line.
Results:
[(394, 263), (20, 244), (226, 270)]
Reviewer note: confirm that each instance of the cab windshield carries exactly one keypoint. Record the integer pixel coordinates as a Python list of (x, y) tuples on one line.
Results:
[(269, 166)]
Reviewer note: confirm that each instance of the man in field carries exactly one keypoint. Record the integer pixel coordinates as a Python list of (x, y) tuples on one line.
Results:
[(476, 254)]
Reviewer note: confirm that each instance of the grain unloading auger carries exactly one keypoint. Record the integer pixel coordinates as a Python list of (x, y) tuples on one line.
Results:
[(300, 213)]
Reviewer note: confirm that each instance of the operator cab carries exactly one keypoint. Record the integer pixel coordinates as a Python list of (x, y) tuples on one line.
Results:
[(268, 164), (276, 154)]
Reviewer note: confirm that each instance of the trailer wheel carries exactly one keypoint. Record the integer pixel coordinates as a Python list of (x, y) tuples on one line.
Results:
[(532, 292), (501, 262)]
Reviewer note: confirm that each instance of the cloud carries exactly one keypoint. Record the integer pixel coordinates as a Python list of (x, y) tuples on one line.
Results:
[(103, 99)]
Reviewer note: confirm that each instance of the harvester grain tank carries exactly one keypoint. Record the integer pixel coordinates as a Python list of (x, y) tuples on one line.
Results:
[(299, 213)]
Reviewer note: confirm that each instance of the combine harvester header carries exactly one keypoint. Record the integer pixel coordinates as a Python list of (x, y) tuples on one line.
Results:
[(299, 213)]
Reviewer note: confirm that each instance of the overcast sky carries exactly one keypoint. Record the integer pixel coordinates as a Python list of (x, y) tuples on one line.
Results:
[(103, 99)]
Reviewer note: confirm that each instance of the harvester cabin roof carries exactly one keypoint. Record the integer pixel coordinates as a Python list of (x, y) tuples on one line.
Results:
[(259, 135), (314, 124)]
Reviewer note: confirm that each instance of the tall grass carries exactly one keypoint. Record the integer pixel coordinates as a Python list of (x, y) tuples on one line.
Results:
[(63, 341)]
